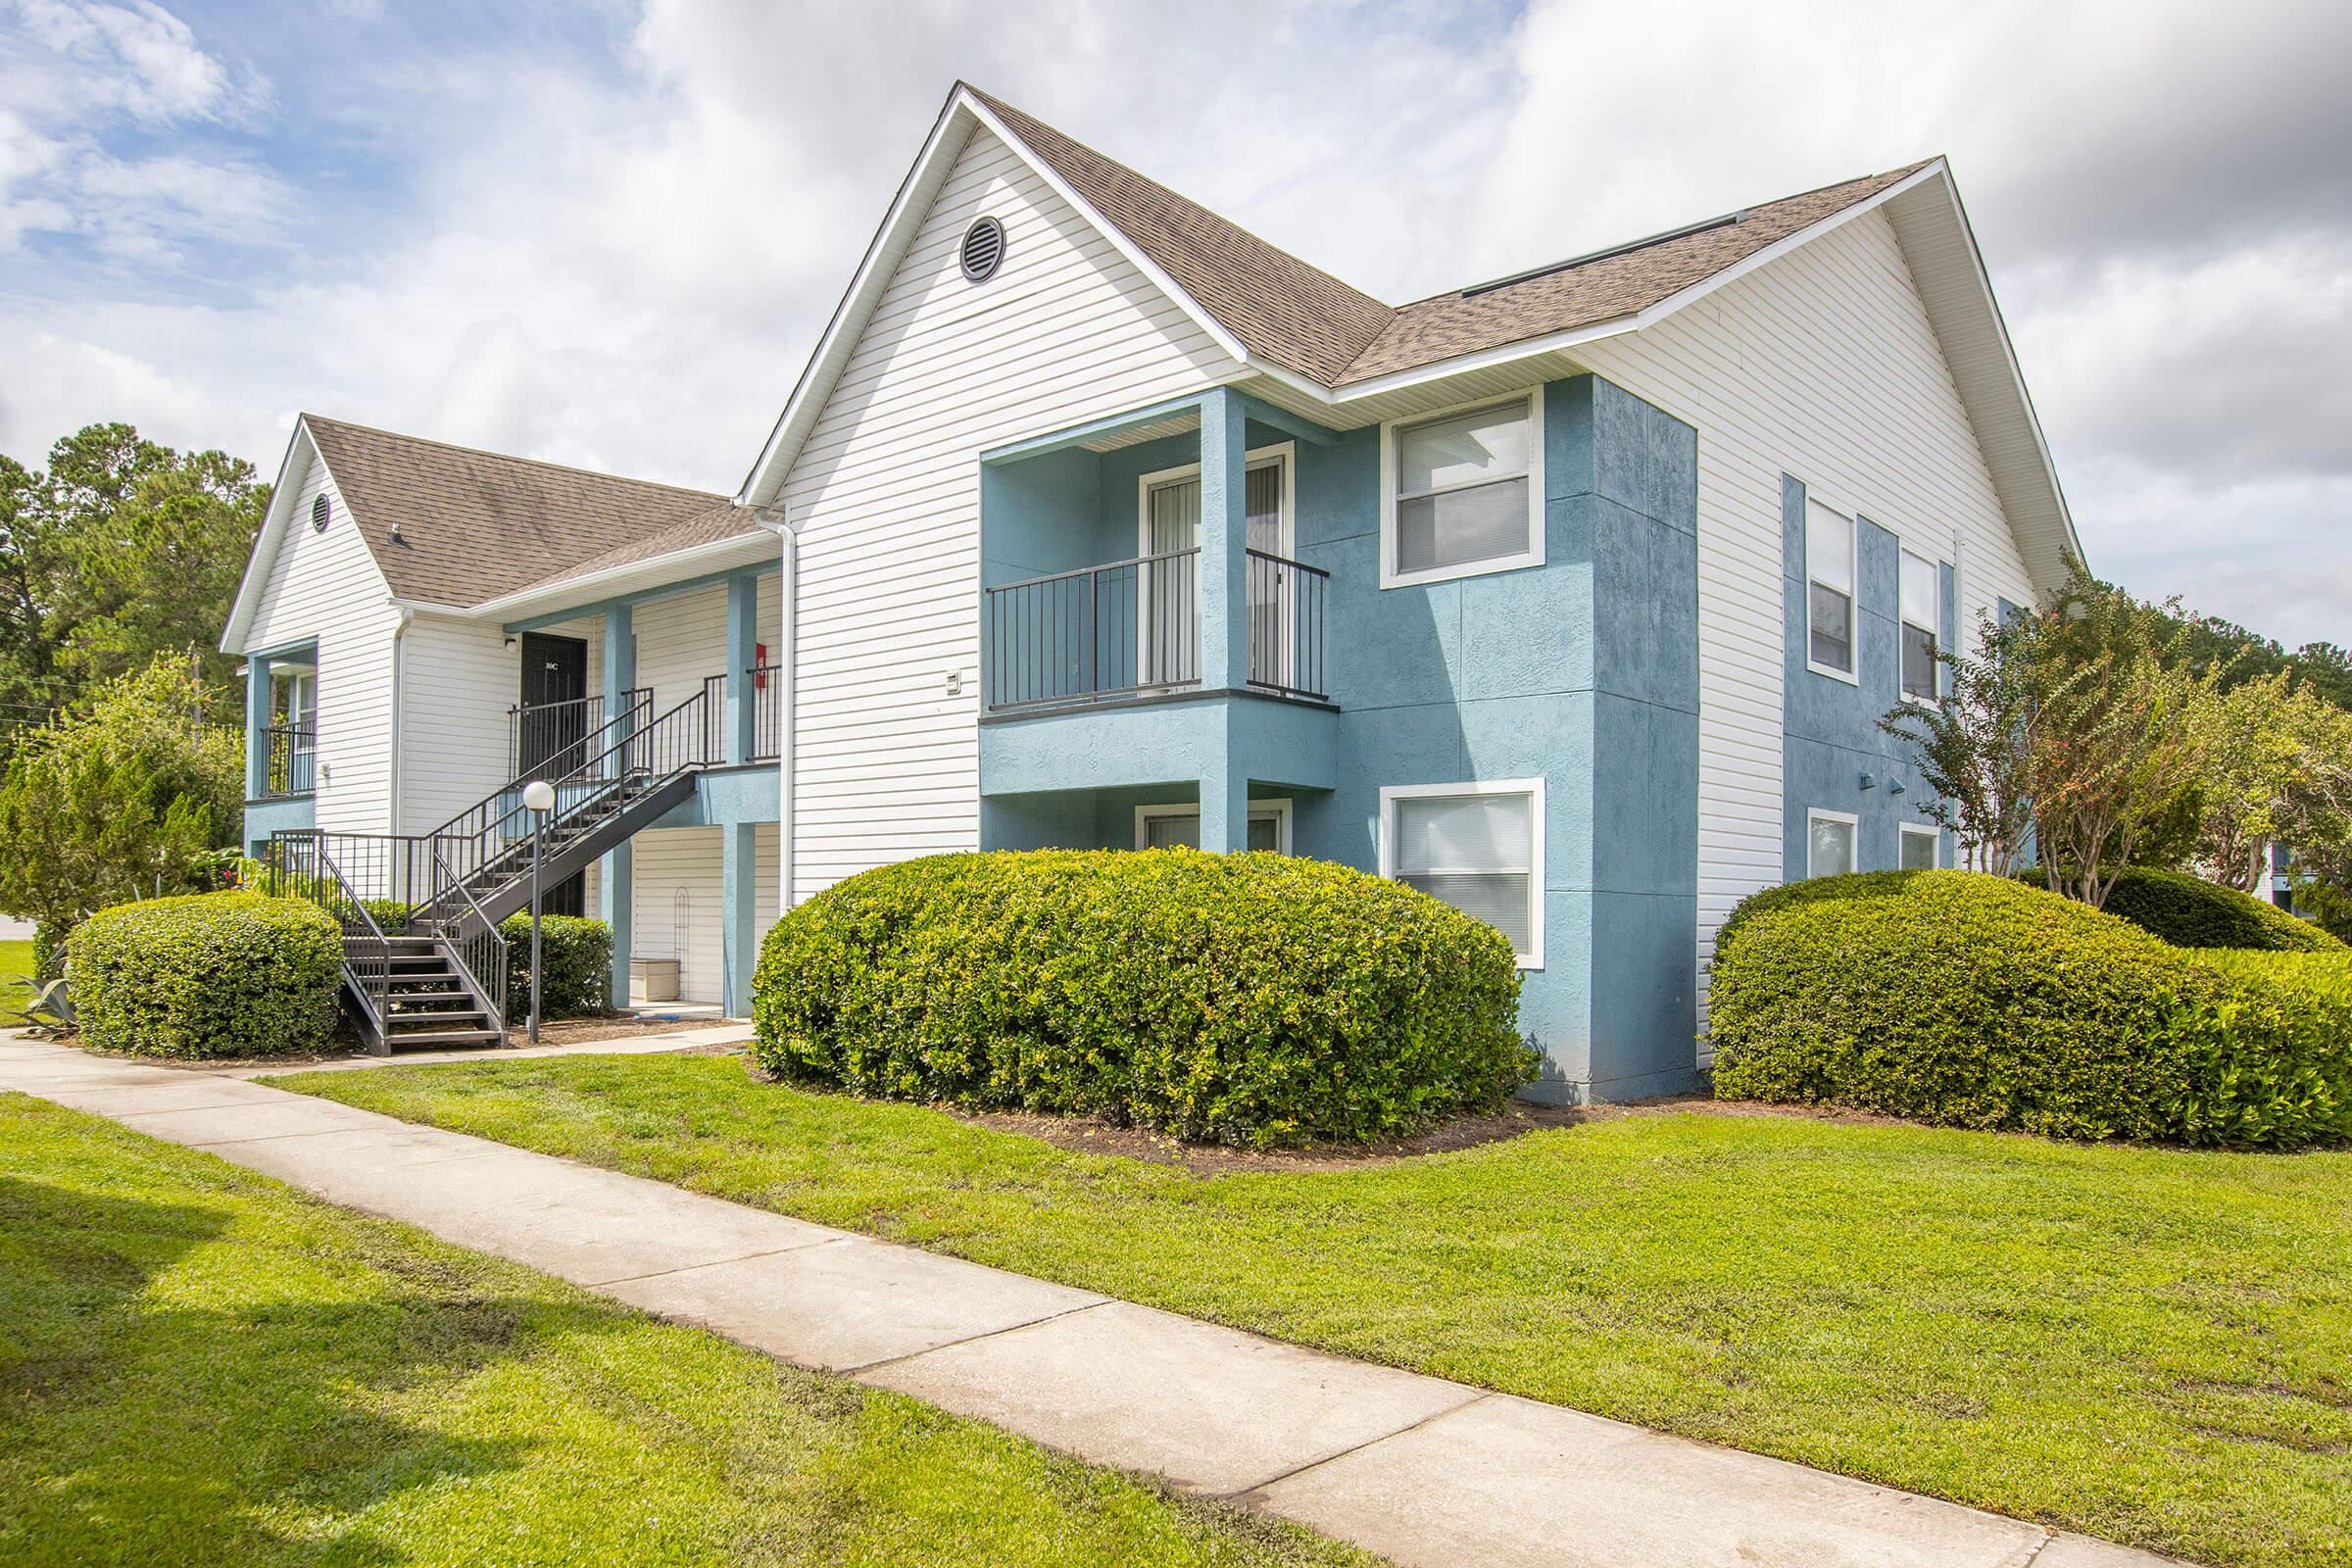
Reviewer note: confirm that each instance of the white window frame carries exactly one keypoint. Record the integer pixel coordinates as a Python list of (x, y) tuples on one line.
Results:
[(1284, 452), (1901, 620), (1853, 825), (1853, 595), (1279, 808), (1532, 788), (1922, 830), (1532, 556)]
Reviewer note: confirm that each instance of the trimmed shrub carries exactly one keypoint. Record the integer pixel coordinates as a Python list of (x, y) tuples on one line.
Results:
[(1970, 1000), (2189, 911), (213, 974), (578, 955), (1256, 1000)]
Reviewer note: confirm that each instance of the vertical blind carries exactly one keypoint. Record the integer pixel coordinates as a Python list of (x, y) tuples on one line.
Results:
[(1474, 851), (1462, 488)]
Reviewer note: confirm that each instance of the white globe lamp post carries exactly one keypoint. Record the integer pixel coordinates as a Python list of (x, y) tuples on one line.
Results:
[(539, 797)]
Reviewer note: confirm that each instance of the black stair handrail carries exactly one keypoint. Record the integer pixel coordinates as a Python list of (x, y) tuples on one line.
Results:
[(492, 841), (481, 951), (301, 868)]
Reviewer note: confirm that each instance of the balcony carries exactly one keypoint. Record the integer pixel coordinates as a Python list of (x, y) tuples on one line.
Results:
[(1131, 628), (290, 764)]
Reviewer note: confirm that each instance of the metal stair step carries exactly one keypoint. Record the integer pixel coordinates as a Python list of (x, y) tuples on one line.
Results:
[(441, 1037)]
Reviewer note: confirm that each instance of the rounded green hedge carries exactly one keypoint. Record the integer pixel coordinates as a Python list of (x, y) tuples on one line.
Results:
[(578, 955), (2189, 911), (1255, 1000), (1972, 1000), (213, 974)]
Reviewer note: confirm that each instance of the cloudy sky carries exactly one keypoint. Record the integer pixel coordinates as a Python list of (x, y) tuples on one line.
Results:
[(608, 233)]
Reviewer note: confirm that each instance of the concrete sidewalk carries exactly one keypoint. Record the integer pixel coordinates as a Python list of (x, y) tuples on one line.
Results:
[(1429, 1472)]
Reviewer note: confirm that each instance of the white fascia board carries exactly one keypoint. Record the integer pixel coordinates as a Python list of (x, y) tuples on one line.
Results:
[(255, 579), (2017, 375), (655, 571), (963, 112), (849, 316)]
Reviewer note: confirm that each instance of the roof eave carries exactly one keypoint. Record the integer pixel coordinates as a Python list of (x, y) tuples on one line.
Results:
[(591, 588), (964, 111)]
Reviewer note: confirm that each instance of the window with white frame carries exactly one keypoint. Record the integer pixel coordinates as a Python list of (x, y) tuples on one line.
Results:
[(1829, 843), (1165, 827), (1828, 590), (1919, 596), (1464, 492), (1478, 847), (1922, 846)]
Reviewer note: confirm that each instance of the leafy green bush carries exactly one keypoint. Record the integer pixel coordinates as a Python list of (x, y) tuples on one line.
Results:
[(1241, 999), (2189, 911), (578, 957), (216, 974), (1970, 1000)]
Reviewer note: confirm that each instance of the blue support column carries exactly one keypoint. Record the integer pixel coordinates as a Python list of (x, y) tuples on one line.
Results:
[(743, 646), (257, 726), (1225, 811), (1224, 542), (616, 890), (739, 881)]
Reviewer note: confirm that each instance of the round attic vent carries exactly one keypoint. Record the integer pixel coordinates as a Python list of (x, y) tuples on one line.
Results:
[(983, 250), (320, 513)]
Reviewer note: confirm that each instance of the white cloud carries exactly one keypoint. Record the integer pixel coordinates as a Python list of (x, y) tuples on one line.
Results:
[(622, 264), (138, 59)]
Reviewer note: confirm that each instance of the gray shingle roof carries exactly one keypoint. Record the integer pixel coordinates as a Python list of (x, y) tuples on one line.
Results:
[(1305, 320), (473, 525)]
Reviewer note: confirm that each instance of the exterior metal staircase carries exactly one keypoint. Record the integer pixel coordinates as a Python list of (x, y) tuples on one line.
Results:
[(438, 976)]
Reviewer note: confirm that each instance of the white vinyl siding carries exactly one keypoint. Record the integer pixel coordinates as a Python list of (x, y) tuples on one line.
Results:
[(1820, 365), (324, 588), (680, 902), (680, 640), (678, 908), (458, 681), (886, 494)]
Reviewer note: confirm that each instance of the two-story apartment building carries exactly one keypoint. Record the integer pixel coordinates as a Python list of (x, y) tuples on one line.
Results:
[(1570, 598)]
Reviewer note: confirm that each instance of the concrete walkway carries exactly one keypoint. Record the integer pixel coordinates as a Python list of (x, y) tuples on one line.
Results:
[(1428, 1472)]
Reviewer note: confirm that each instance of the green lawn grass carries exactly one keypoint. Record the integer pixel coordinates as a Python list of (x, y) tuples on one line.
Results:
[(2149, 1344), (200, 1366), (16, 959)]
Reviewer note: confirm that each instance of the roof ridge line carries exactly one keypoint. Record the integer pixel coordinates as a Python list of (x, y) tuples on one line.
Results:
[(508, 457)]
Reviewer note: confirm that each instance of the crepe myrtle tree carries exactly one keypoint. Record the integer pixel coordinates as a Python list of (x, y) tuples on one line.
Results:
[(2084, 728), (1974, 749)]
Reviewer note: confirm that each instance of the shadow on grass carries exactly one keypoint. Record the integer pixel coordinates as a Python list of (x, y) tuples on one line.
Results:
[(237, 1408)]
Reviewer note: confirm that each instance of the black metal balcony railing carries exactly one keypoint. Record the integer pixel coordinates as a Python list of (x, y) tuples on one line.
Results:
[(1285, 626), (1102, 632), (1133, 627), (554, 737), (292, 766), (767, 712)]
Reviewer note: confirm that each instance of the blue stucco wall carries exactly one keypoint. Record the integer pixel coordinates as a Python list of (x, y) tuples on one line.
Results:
[(1540, 671), (267, 816), (1532, 672), (1830, 737)]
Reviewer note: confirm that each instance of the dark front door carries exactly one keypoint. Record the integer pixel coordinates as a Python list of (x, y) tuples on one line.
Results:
[(555, 718)]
